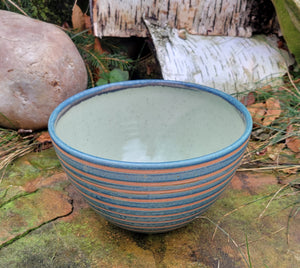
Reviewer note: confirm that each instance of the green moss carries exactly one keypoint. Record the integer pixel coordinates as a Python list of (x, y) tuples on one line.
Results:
[(262, 217), (288, 14), (43, 248), (87, 240), (31, 166), (44, 160)]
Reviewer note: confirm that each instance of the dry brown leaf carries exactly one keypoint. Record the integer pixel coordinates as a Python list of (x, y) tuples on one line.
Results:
[(266, 88), (290, 170), (249, 99), (257, 111), (273, 111), (293, 143), (97, 46), (44, 137), (78, 20), (87, 22), (44, 141)]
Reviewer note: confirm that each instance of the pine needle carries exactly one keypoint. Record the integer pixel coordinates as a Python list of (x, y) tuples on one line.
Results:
[(273, 167), (273, 197), (17, 7), (13, 146), (229, 237)]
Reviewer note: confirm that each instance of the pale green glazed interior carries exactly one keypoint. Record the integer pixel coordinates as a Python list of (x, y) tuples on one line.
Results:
[(151, 124)]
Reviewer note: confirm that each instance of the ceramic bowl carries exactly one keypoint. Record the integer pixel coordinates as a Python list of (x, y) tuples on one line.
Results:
[(150, 155)]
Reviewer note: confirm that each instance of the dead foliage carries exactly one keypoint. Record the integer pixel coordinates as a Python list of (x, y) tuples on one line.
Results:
[(275, 139)]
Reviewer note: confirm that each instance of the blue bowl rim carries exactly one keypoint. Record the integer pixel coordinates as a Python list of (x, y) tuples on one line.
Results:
[(81, 96)]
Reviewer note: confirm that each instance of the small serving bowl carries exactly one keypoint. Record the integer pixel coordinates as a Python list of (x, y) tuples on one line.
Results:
[(150, 155)]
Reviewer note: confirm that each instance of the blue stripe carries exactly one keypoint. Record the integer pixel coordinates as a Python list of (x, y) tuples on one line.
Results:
[(183, 193), (154, 217), (143, 215), (113, 187), (151, 177), (134, 203)]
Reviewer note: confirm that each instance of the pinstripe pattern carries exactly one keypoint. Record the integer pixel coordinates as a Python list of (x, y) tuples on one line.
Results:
[(150, 197)]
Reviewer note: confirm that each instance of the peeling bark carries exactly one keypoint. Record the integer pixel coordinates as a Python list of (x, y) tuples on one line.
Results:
[(203, 17), (229, 64)]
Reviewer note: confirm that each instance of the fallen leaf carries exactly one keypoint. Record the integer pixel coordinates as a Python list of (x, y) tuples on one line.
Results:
[(267, 88), (97, 46), (273, 111), (290, 170), (87, 21), (44, 137), (44, 141), (249, 99), (293, 142), (257, 111), (78, 20)]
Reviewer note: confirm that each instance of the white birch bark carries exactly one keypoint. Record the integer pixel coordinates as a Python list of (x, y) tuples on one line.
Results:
[(230, 64), (124, 18)]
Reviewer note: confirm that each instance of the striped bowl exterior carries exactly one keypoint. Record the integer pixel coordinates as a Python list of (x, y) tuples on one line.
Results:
[(149, 197)]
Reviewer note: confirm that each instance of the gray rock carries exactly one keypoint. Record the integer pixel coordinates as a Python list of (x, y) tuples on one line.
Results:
[(39, 68)]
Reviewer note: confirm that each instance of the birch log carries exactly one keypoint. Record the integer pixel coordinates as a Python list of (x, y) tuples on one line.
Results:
[(124, 18), (230, 64)]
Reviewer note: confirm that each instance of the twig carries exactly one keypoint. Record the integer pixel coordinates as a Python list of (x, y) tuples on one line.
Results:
[(263, 237), (229, 237), (288, 223), (17, 7), (290, 91), (273, 197), (292, 82), (90, 74), (269, 168), (234, 210)]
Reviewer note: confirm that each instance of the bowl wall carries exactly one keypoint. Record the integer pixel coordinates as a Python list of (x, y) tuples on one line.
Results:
[(150, 197)]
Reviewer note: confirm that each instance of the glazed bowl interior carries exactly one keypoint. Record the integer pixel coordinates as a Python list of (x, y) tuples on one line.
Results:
[(158, 121)]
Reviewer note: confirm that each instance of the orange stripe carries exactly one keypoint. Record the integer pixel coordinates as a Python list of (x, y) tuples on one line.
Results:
[(151, 200), (137, 192), (152, 227), (145, 171), (151, 184), (151, 216), (150, 209), (149, 222)]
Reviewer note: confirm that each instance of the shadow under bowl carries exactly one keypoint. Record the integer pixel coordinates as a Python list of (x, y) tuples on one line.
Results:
[(150, 155)]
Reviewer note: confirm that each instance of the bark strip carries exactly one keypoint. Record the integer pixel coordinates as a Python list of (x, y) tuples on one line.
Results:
[(203, 17)]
